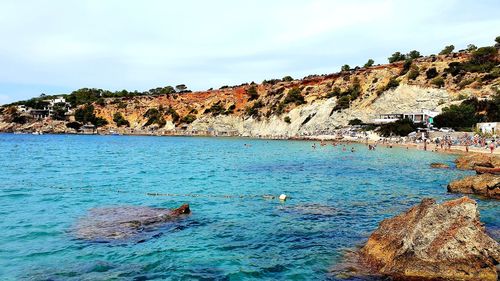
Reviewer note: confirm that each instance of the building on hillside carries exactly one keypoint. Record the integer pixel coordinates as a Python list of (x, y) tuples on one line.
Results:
[(22, 108), (39, 113), (426, 117), (88, 129), (489, 128), (387, 118)]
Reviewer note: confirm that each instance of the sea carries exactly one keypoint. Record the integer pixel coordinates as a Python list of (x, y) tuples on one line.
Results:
[(238, 228)]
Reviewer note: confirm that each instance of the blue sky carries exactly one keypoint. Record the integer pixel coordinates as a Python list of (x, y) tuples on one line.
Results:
[(56, 46)]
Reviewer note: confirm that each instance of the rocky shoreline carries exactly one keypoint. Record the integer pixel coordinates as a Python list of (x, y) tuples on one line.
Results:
[(433, 241)]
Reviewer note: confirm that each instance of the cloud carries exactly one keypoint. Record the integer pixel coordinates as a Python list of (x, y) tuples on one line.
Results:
[(141, 45)]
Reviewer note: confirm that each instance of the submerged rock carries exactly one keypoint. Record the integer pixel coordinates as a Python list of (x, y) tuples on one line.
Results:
[(312, 209), (487, 185), (439, 166), (470, 161), (115, 223), (433, 242)]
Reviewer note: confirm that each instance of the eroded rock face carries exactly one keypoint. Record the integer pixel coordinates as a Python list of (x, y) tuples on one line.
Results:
[(114, 223), (470, 161), (433, 242), (487, 185)]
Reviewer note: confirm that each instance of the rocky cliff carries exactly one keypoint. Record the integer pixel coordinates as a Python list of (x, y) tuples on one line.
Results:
[(314, 105)]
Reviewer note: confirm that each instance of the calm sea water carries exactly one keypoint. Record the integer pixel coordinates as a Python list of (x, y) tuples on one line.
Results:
[(48, 182)]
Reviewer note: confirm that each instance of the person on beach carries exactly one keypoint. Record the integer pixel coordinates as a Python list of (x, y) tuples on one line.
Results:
[(492, 147)]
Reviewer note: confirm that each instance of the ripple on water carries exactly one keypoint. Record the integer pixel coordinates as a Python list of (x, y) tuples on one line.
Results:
[(337, 199)]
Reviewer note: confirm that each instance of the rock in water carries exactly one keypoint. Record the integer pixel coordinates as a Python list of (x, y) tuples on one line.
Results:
[(433, 242), (470, 161), (487, 185), (113, 223), (439, 166)]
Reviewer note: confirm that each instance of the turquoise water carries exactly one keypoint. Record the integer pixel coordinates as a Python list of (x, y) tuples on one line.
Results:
[(48, 182)]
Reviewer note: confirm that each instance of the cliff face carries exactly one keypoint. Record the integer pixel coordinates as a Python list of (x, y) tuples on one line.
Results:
[(312, 106)]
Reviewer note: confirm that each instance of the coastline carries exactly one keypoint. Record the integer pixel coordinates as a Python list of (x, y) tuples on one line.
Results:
[(455, 149)]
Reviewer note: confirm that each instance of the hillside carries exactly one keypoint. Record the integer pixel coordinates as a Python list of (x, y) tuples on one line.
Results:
[(314, 105)]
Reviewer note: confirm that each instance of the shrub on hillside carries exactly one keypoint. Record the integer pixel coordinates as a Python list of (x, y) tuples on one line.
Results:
[(369, 63), (294, 96), (447, 50), (252, 93), (399, 128), (438, 82), (431, 73), (120, 120), (355, 121), (397, 56)]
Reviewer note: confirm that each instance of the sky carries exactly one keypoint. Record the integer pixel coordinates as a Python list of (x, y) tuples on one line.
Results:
[(57, 46)]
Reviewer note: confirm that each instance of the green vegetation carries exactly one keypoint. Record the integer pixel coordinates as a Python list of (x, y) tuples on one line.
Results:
[(447, 50), (287, 79), (369, 63), (74, 125), (397, 56), (120, 120), (155, 116), (469, 112), (86, 114), (398, 128), (414, 72), (413, 55), (345, 97), (392, 84), (59, 111), (287, 119), (294, 96), (438, 81), (254, 109), (342, 103), (483, 60), (471, 47), (188, 118), (354, 122), (345, 67), (431, 73), (230, 109), (457, 116), (181, 88), (252, 93)]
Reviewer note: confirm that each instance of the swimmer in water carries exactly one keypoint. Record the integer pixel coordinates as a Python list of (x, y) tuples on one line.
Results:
[(343, 148), (352, 149)]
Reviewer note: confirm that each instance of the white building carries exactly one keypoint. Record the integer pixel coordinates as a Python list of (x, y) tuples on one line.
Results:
[(489, 128), (417, 117)]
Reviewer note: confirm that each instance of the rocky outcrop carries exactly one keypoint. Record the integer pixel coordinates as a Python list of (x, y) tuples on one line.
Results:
[(297, 108), (114, 223), (470, 161), (433, 242), (440, 166), (487, 185)]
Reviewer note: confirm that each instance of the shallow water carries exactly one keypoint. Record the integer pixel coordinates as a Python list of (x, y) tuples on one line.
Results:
[(48, 182)]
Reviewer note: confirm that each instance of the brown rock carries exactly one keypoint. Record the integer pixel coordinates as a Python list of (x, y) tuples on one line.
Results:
[(113, 223), (433, 242), (487, 185), (439, 166), (470, 161)]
